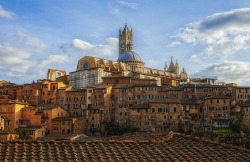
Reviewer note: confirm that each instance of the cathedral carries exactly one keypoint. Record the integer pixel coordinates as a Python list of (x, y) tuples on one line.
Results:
[(92, 70)]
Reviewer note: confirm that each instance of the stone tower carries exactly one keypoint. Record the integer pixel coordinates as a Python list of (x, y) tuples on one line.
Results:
[(177, 68), (125, 40)]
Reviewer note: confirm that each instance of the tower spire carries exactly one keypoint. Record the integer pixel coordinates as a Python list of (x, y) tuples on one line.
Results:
[(125, 40)]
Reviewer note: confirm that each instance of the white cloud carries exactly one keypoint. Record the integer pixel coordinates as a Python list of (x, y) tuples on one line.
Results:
[(54, 60), (99, 50), (6, 14), (30, 41), (14, 59), (228, 71), (128, 4), (23, 77), (175, 43), (222, 33)]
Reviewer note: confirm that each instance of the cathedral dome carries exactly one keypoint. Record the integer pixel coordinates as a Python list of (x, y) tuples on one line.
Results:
[(129, 56)]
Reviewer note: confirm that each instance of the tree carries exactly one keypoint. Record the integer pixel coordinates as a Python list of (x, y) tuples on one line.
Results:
[(24, 135), (241, 124), (236, 123), (245, 125)]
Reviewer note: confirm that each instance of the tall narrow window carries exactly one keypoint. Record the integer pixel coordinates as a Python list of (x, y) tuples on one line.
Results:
[(85, 65)]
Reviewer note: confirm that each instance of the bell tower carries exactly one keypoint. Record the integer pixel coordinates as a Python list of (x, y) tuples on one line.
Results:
[(125, 40)]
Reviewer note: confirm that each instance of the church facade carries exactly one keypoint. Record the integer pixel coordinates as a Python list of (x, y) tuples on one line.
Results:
[(91, 70)]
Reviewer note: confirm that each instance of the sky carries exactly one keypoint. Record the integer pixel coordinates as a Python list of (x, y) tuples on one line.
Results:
[(208, 38)]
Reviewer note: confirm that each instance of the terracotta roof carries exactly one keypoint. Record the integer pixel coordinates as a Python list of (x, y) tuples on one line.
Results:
[(172, 147)]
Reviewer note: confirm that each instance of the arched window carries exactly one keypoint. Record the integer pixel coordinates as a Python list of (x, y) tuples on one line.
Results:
[(85, 65)]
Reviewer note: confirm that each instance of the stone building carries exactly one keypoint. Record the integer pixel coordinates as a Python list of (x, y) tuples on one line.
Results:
[(91, 70)]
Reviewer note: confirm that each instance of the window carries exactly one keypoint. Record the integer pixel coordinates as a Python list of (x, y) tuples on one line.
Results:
[(217, 108), (218, 101), (9, 109), (146, 117), (120, 113), (199, 90), (153, 96), (165, 109), (100, 96), (82, 98), (75, 99), (170, 116), (146, 123), (165, 117), (141, 89), (85, 65), (211, 108), (68, 99), (152, 117), (153, 109), (159, 109), (154, 89), (174, 109)]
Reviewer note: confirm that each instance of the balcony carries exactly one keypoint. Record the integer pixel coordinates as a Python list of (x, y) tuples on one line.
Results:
[(139, 106)]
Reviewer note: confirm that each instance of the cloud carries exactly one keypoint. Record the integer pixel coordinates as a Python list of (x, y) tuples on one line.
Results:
[(14, 59), (128, 4), (6, 14), (222, 34), (20, 58), (228, 71), (22, 77), (100, 50), (30, 41), (54, 60), (175, 43)]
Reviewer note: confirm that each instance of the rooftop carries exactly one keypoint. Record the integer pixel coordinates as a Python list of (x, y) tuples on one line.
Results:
[(168, 147)]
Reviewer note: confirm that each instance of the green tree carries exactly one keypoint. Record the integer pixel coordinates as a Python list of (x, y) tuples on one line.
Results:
[(245, 125), (236, 123), (240, 123), (24, 135)]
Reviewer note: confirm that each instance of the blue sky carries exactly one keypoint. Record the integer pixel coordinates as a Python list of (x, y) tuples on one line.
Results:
[(208, 38)]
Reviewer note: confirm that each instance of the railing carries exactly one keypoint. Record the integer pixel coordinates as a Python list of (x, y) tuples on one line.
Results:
[(140, 106)]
